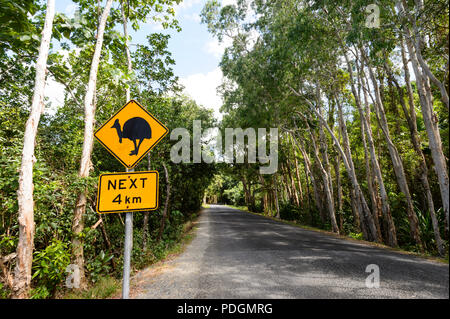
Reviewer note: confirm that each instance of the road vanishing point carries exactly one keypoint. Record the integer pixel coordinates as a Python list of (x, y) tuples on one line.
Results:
[(236, 254)]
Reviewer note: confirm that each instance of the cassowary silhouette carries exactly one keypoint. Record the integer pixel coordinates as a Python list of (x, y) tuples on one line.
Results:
[(135, 129)]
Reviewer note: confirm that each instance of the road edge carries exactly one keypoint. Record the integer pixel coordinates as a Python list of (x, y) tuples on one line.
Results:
[(359, 241), (188, 236)]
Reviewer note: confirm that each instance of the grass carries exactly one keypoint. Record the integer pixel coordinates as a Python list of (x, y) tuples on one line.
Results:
[(186, 237), (103, 289), (351, 237), (172, 252), (110, 287)]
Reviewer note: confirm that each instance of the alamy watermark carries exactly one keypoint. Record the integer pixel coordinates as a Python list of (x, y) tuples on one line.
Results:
[(373, 280), (373, 17), (207, 146), (73, 277)]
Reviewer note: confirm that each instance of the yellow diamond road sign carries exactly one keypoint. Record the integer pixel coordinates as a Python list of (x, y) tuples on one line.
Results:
[(131, 191), (131, 133)]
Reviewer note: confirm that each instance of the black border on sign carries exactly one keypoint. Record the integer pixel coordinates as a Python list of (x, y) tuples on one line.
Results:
[(145, 153), (127, 210)]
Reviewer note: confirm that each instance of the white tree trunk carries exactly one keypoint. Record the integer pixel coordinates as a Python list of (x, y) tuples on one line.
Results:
[(395, 158), (277, 206), (307, 162), (430, 121), (385, 207), (365, 215), (85, 163), (418, 44), (365, 120), (127, 48), (415, 140), (24, 259), (326, 182), (348, 163)]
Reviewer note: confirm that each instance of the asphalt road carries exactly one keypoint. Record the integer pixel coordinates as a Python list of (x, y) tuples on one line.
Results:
[(240, 255)]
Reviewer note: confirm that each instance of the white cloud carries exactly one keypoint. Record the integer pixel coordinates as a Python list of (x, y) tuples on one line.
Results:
[(185, 5), (194, 17), (155, 26), (229, 2), (203, 89), (54, 91), (217, 48), (70, 10), (188, 3)]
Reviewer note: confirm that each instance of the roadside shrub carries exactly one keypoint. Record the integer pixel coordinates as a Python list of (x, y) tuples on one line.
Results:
[(289, 212), (358, 236), (99, 265), (49, 266)]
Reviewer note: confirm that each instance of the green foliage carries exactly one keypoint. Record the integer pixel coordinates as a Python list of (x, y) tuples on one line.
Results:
[(4, 292), (295, 68), (99, 266), (104, 288), (15, 27), (235, 195), (49, 267), (297, 48), (358, 236), (40, 292)]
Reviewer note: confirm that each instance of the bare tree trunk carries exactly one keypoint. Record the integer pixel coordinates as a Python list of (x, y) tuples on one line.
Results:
[(386, 210), (326, 182), (292, 186), (287, 183), (246, 192), (297, 174), (324, 148), (127, 49), (25, 246), (417, 41), (277, 207), (264, 197), (430, 121), (356, 193), (85, 163), (411, 120), (307, 162), (308, 186), (252, 196), (370, 188), (339, 193), (166, 204), (348, 163), (395, 157), (364, 132)]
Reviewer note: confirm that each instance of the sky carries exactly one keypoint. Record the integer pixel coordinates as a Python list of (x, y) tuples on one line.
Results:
[(197, 54)]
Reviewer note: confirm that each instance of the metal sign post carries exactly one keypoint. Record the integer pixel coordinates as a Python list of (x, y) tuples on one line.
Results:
[(127, 254), (128, 247), (129, 135)]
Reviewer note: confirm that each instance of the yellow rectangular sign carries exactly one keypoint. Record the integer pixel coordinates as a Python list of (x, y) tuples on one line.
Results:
[(128, 192)]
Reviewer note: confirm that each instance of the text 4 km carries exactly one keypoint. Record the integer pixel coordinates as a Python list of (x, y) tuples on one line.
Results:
[(131, 191)]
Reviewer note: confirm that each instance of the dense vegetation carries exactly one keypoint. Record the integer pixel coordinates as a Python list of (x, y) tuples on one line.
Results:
[(361, 107), (59, 142), (361, 110)]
